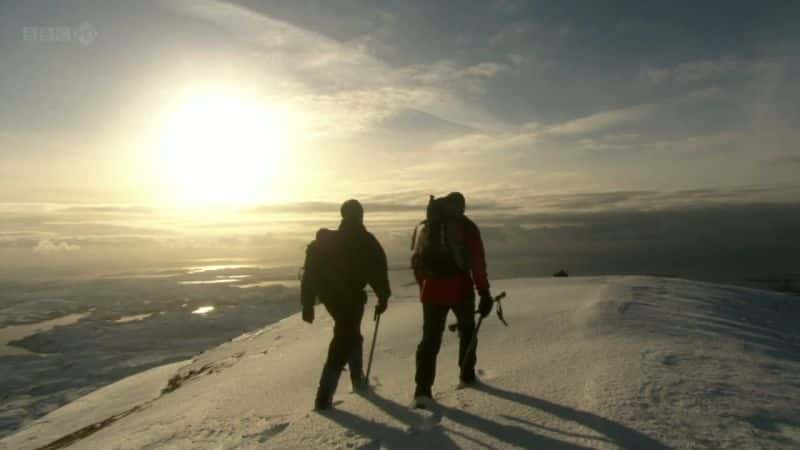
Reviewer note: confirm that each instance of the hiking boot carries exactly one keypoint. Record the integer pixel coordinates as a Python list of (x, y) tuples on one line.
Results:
[(423, 402), (467, 379), (360, 384), (323, 402), (327, 386), (355, 365), (422, 392)]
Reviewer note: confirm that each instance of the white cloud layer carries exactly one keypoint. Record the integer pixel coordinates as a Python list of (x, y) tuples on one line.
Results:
[(341, 88), (696, 71), (47, 246)]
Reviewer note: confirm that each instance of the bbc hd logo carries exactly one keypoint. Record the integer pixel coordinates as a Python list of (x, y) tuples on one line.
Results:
[(84, 34)]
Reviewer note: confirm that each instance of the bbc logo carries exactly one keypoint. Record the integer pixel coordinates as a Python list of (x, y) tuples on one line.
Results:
[(84, 34)]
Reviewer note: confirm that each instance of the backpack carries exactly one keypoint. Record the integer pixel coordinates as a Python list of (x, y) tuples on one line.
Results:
[(439, 248), (326, 272)]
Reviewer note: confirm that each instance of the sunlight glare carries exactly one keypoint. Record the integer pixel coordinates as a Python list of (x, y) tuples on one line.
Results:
[(223, 147)]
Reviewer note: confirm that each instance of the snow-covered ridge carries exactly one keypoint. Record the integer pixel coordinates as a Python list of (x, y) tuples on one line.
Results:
[(608, 362)]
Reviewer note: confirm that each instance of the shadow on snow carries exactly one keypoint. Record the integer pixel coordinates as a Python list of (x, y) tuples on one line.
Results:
[(514, 434)]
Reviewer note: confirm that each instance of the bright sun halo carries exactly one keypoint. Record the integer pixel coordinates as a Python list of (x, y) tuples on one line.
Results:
[(222, 147)]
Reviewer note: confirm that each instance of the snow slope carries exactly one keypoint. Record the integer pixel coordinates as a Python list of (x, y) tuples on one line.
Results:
[(607, 362)]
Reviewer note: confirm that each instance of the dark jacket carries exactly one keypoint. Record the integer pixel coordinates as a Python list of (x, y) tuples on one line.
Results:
[(359, 260)]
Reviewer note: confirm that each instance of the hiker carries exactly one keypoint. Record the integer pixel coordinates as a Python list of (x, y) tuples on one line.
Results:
[(448, 260), (338, 265)]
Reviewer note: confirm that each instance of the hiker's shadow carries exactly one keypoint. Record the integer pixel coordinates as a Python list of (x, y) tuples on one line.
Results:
[(437, 438), (385, 436), (614, 432)]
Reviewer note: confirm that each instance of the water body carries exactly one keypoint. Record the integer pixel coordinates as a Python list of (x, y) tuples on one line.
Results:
[(286, 283), (134, 318), (203, 310), (17, 332), (217, 281)]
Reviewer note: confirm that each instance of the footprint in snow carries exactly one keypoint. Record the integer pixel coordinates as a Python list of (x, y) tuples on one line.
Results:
[(670, 360), (269, 432)]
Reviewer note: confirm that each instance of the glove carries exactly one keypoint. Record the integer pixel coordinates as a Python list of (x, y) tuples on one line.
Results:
[(308, 314), (380, 308), (485, 306)]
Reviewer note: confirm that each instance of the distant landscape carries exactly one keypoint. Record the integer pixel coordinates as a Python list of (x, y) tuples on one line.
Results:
[(121, 325)]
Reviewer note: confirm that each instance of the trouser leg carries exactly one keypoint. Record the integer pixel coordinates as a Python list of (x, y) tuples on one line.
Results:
[(346, 335), (433, 321), (327, 386), (465, 314), (355, 362)]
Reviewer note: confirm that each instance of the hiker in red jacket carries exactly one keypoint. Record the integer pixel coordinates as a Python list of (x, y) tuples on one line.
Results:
[(448, 260)]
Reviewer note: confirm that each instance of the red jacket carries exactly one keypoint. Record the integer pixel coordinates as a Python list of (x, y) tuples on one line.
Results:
[(457, 288)]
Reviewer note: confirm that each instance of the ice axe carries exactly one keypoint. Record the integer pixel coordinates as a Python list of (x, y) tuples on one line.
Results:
[(372, 347), (500, 296), (474, 341)]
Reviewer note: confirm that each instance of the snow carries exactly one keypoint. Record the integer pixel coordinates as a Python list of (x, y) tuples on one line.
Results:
[(93, 408), (603, 362)]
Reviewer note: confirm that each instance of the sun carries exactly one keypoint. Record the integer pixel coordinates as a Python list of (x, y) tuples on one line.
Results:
[(222, 147)]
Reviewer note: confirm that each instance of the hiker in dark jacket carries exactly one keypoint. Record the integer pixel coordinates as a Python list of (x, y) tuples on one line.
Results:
[(339, 264), (440, 293)]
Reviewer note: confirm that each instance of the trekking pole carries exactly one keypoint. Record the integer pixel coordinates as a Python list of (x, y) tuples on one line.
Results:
[(372, 348)]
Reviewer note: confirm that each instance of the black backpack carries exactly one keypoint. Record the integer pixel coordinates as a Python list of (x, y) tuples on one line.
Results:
[(327, 271), (438, 247)]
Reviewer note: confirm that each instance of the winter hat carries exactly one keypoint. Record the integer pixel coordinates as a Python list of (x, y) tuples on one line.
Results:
[(456, 202), (352, 211)]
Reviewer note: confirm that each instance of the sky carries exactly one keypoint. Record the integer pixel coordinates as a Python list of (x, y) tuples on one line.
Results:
[(582, 134)]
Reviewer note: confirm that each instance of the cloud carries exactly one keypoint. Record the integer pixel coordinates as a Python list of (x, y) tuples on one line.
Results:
[(485, 69), (526, 135), (555, 208), (603, 120), (110, 209), (515, 33), (47, 246), (523, 207), (386, 206), (646, 127), (686, 231), (288, 47), (446, 71), (746, 239), (593, 200), (791, 162), (697, 71), (340, 87)]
